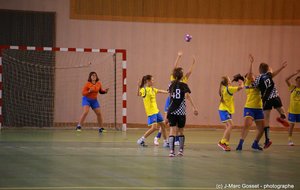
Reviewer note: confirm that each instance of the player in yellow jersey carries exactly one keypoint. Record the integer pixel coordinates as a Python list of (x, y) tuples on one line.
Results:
[(226, 108), (252, 111), (294, 107), (148, 93), (184, 80)]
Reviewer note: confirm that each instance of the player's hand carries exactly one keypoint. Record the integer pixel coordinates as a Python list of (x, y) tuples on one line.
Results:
[(196, 112), (179, 53), (284, 64), (106, 90), (251, 58)]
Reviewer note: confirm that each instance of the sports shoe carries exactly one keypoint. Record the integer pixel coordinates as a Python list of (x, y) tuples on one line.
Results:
[(256, 146), (180, 153), (291, 143), (78, 128), (283, 122), (267, 144), (224, 146), (239, 148), (102, 130), (176, 143), (156, 141), (172, 154), (141, 142)]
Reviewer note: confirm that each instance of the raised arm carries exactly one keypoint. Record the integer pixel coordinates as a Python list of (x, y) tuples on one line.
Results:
[(178, 58), (250, 74), (187, 95), (287, 80), (188, 74), (284, 64)]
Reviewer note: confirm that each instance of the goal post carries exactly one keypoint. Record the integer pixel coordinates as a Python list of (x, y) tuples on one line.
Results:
[(41, 86)]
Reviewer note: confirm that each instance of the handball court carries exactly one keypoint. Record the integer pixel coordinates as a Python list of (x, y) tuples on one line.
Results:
[(66, 159)]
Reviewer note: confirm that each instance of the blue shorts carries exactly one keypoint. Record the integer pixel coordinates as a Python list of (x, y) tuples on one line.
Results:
[(155, 118), (294, 118), (167, 104), (224, 116), (93, 103), (256, 114)]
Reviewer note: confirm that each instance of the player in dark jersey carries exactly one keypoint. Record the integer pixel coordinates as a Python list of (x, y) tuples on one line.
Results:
[(270, 97), (176, 115)]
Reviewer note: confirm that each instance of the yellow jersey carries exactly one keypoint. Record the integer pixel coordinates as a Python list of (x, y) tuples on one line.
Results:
[(294, 107), (253, 96), (149, 98), (228, 103), (184, 79)]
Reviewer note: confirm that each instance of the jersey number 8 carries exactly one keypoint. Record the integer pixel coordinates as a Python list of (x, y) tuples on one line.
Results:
[(176, 94)]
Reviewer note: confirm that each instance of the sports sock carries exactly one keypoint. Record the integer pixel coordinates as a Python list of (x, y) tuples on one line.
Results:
[(171, 143), (267, 133), (241, 142), (158, 135), (176, 138), (223, 141), (181, 142)]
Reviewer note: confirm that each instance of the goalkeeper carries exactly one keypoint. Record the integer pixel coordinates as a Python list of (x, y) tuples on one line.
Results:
[(89, 99)]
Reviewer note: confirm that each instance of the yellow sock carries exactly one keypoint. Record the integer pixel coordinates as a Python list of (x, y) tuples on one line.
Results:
[(227, 143), (223, 141), (290, 138)]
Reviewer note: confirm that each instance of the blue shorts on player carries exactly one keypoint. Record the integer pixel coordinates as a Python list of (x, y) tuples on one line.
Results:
[(224, 116), (167, 104), (255, 114), (155, 118), (93, 103), (294, 118)]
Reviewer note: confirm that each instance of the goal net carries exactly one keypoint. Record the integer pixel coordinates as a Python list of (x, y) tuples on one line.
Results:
[(41, 87)]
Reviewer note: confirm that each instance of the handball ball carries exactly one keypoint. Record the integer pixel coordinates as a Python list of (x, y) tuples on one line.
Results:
[(188, 38)]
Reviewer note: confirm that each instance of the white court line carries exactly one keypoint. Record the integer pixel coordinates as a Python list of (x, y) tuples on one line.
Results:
[(132, 188)]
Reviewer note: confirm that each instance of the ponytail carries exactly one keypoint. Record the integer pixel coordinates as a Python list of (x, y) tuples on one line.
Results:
[(144, 80), (224, 82)]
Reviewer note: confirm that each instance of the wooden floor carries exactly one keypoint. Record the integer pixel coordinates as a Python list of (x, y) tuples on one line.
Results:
[(66, 159)]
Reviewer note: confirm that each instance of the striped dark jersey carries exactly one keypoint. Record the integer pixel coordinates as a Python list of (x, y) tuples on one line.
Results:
[(177, 92), (266, 85)]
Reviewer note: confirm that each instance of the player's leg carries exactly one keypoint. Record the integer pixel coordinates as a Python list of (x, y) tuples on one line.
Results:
[(248, 120), (162, 124), (227, 133), (82, 117), (278, 106), (173, 123), (291, 128), (181, 137), (282, 118), (152, 122), (259, 133), (268, 142), (99, 119), (158, 136), (292, 119), (225, 119)]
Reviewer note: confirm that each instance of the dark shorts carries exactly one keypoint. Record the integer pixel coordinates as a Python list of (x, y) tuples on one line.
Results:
[(176, 120), (272, 103)]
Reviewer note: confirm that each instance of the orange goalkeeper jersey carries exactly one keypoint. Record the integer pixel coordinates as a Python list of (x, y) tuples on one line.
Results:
[(94, 89)]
